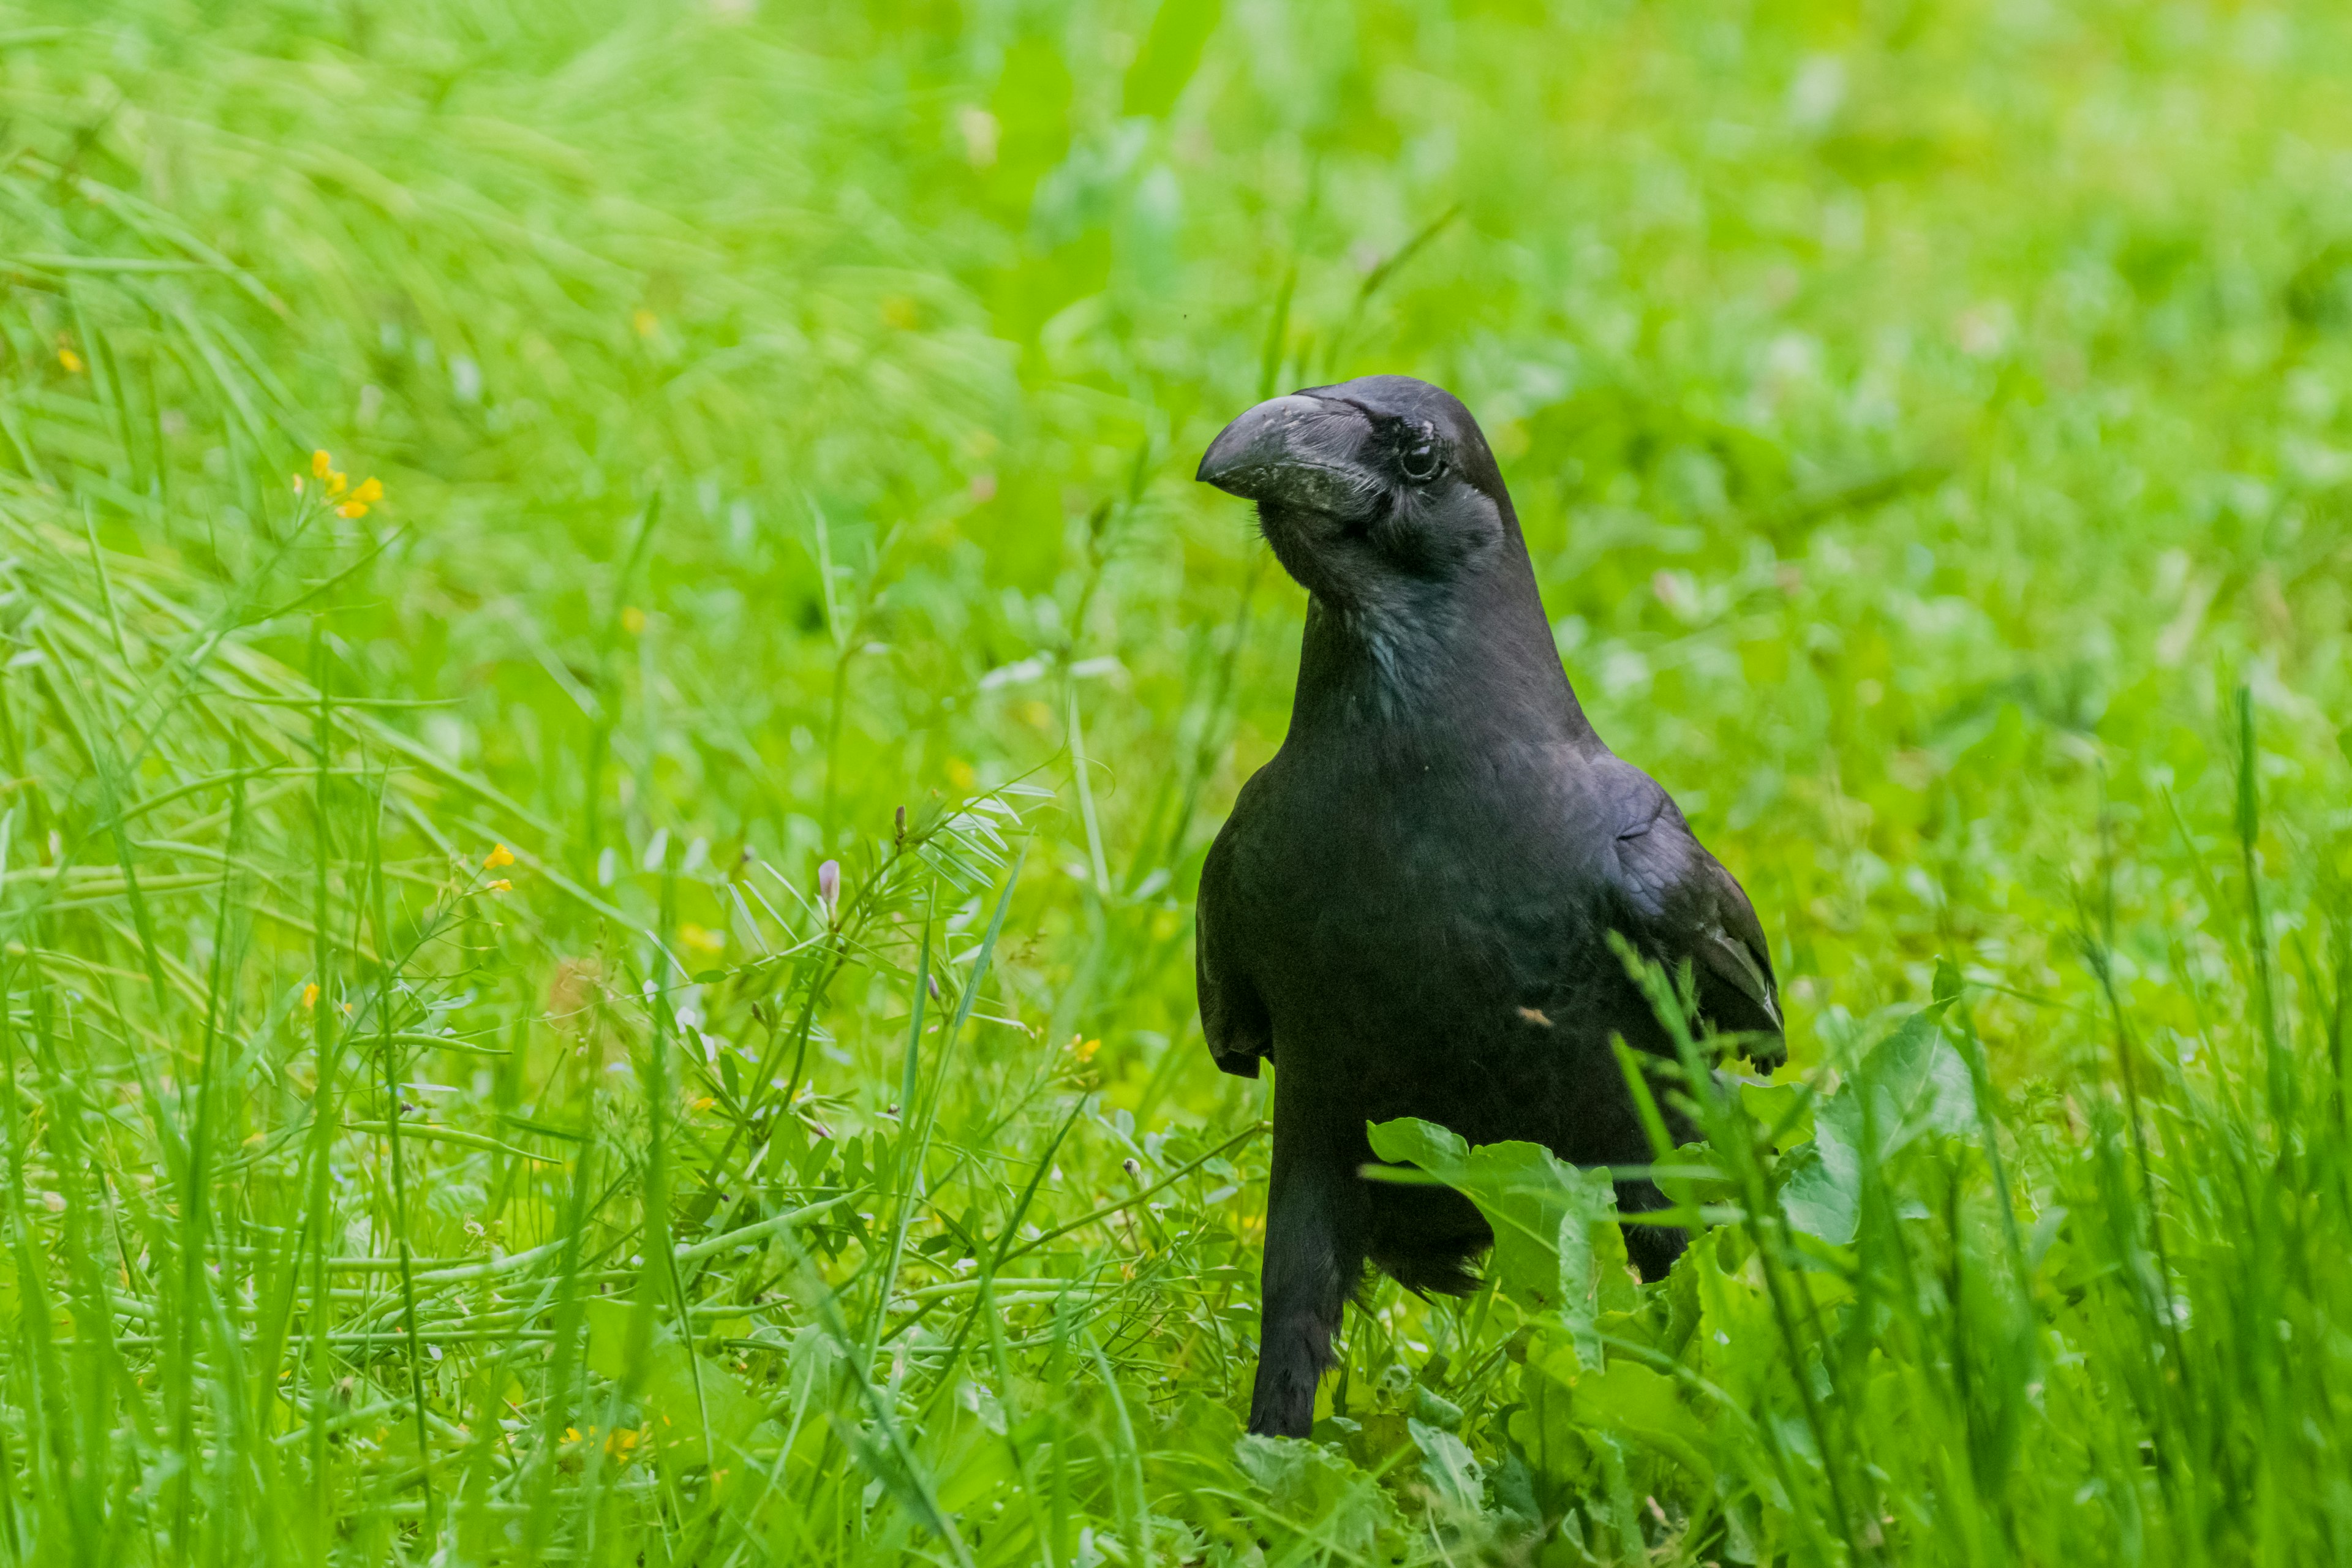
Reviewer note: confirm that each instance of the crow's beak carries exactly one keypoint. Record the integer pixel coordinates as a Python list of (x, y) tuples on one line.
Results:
[(1295, 452)]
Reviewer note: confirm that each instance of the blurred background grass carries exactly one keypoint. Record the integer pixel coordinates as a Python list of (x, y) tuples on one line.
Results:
[(1924, 418)]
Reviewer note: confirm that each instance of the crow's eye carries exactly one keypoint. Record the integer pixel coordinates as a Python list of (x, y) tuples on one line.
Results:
[(1419, 460)]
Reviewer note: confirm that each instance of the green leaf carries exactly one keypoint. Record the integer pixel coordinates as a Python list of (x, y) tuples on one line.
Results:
[(1630, 1400), (1557, 1245), (1822, 1194), (1171, 53), (611, 1329), (694, 1408), (1544, 1426), (1917, 1080), (1452, 1475), (1321, 1491), (1777, 1109), (1947, 979), (1914, 1082), (1031, 104), (1565, 1402)]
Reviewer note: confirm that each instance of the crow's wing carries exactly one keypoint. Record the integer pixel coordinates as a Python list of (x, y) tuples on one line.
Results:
[(1678, 903), (1233, 1017)]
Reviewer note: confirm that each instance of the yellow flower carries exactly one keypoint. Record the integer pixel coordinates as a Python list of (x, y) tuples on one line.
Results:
[(499, 855), (369, 490), (297, 484), (571, 1434), (321, 465), (338, 482), (70, 360), (633, 620), (702, 941), (310, 995), (502, 886), (352, 509), (1085, 1049), (705, 1103)]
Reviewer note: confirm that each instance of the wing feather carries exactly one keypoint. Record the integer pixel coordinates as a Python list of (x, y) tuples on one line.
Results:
[(1232, 1014), (1680, 904)]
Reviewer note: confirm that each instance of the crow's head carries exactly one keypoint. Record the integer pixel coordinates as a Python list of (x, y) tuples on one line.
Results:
[(1368, 490)]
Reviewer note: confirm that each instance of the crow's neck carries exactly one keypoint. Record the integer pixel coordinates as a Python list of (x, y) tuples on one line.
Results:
[(1446, 668)]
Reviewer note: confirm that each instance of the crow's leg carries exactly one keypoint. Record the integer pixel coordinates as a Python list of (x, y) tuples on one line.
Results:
[(1316, 1222), (1652, 1248)]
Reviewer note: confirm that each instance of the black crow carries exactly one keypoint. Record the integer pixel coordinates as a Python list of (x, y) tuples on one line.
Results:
[(1408, 910)]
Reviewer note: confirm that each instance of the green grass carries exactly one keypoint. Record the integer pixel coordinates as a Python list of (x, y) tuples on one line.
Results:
[(1933, 427)]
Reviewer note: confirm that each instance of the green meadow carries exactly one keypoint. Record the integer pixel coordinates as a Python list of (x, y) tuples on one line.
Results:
[(494, 496)]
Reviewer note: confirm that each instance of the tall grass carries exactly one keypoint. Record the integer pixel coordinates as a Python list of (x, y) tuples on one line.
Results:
[(452, 1117)]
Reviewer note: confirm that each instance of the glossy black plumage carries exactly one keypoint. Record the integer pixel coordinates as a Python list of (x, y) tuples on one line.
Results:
[(1407, 910)]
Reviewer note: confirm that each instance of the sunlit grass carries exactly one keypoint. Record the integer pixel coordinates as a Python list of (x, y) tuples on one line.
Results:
[(453, 1118)]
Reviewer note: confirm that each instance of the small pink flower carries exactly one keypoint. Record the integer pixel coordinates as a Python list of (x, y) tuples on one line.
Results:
[(828, 888)]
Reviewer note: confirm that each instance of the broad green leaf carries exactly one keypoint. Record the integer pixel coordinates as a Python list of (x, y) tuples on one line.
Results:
[(1774, 1108), (1544, 1427), (1915, 1082), (1632, 1401), (1170, 53), (687, 1398), (1557, 1245), (1032, 102), (1445, 1463), (1565, 1402), (612, 1321), (1822, 1194), (1309, 1485), (1737, 1345)]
